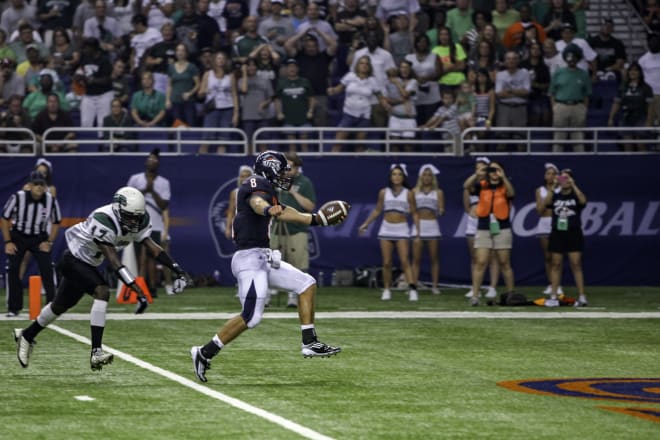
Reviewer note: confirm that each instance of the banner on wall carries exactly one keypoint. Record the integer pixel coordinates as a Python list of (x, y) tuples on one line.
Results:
[(621, 221)]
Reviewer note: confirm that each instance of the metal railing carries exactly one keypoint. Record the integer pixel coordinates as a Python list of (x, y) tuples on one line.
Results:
[(18, 147), (324, 140), (542, 140), (138, 140)]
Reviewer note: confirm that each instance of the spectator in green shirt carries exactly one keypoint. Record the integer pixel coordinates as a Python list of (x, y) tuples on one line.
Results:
[(183, 83), (294, 103), (504, 17), (459, 20), (5, 50), (439, 22), (248, 41), (452, 57), (35, 102), (148, 104), (570, 89), (291, 239)]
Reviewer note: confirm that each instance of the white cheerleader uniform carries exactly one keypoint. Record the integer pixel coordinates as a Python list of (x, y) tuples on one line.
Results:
[(471, 224), (395, 203), (544, 226), (429, 229)]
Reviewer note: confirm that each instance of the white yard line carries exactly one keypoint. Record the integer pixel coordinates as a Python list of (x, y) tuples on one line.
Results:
[(274, 418), (373, 315)]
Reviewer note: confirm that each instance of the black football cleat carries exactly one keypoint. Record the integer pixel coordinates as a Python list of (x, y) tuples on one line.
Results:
[(200, 363), (319, 349)]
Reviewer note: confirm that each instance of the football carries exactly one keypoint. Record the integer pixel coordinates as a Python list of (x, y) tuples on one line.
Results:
[(333, 212)]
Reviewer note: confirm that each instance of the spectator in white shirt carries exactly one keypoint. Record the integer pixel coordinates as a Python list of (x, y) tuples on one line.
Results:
[(588, 54), (124, 11), (381, 61), (552, 56), (512, 88), (158, 12), (18, 12), (105, 29), (86, 10), (401, 93), (650, 63), (143, 38), (360, 86)]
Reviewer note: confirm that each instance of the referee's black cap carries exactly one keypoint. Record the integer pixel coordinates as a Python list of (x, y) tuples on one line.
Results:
[(37, 177)]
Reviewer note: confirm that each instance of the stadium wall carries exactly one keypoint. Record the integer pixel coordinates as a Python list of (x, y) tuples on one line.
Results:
[(621, 221)]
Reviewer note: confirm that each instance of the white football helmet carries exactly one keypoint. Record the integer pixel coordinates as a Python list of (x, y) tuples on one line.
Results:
[(128, 206)]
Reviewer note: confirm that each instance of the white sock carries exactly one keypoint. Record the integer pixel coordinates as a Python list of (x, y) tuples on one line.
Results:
[(97, 315), (306, 326), (217, 341), (46, 316)]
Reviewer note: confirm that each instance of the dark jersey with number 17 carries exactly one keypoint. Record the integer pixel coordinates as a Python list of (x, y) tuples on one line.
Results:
[(251, 230)]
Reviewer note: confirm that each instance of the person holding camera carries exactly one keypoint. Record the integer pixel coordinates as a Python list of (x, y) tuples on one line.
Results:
[(566, 236), (493, 211)]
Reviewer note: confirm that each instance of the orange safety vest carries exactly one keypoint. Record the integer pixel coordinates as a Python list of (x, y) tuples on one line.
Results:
[(493, 200)]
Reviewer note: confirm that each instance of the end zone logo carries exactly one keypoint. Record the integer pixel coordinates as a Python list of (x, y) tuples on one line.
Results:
[(644, 390)]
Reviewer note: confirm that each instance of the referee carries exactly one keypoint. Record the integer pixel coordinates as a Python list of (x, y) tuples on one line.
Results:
[(25, 220)]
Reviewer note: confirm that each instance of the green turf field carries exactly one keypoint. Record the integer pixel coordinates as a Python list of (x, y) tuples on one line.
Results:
[(423, 378)]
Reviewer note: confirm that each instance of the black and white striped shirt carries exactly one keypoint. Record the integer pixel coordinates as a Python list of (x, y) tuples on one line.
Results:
[(29, 216)]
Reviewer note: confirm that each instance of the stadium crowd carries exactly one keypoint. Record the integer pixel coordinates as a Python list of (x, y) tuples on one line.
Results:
[(247, 64)]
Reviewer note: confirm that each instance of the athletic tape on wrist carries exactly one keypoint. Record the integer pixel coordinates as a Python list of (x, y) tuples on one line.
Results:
[(125, 275)]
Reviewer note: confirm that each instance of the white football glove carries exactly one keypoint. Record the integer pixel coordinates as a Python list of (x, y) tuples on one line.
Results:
[(179, 284)]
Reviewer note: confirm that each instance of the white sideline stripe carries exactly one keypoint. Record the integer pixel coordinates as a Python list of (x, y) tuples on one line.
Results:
[(285, 423), (373, 315), (84, 398)]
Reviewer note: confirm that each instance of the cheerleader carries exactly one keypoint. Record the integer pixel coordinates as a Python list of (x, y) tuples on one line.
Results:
[(398, 204), (430, 201), (544, 226)]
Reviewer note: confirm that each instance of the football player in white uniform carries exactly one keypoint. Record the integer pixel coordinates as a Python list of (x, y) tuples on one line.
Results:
[(107, 229)]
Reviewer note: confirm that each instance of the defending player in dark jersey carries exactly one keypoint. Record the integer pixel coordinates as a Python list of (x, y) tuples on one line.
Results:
[(107, 229), (256, 266)]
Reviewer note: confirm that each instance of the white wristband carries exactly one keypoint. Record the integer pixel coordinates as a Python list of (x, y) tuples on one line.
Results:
[(125, 275)]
